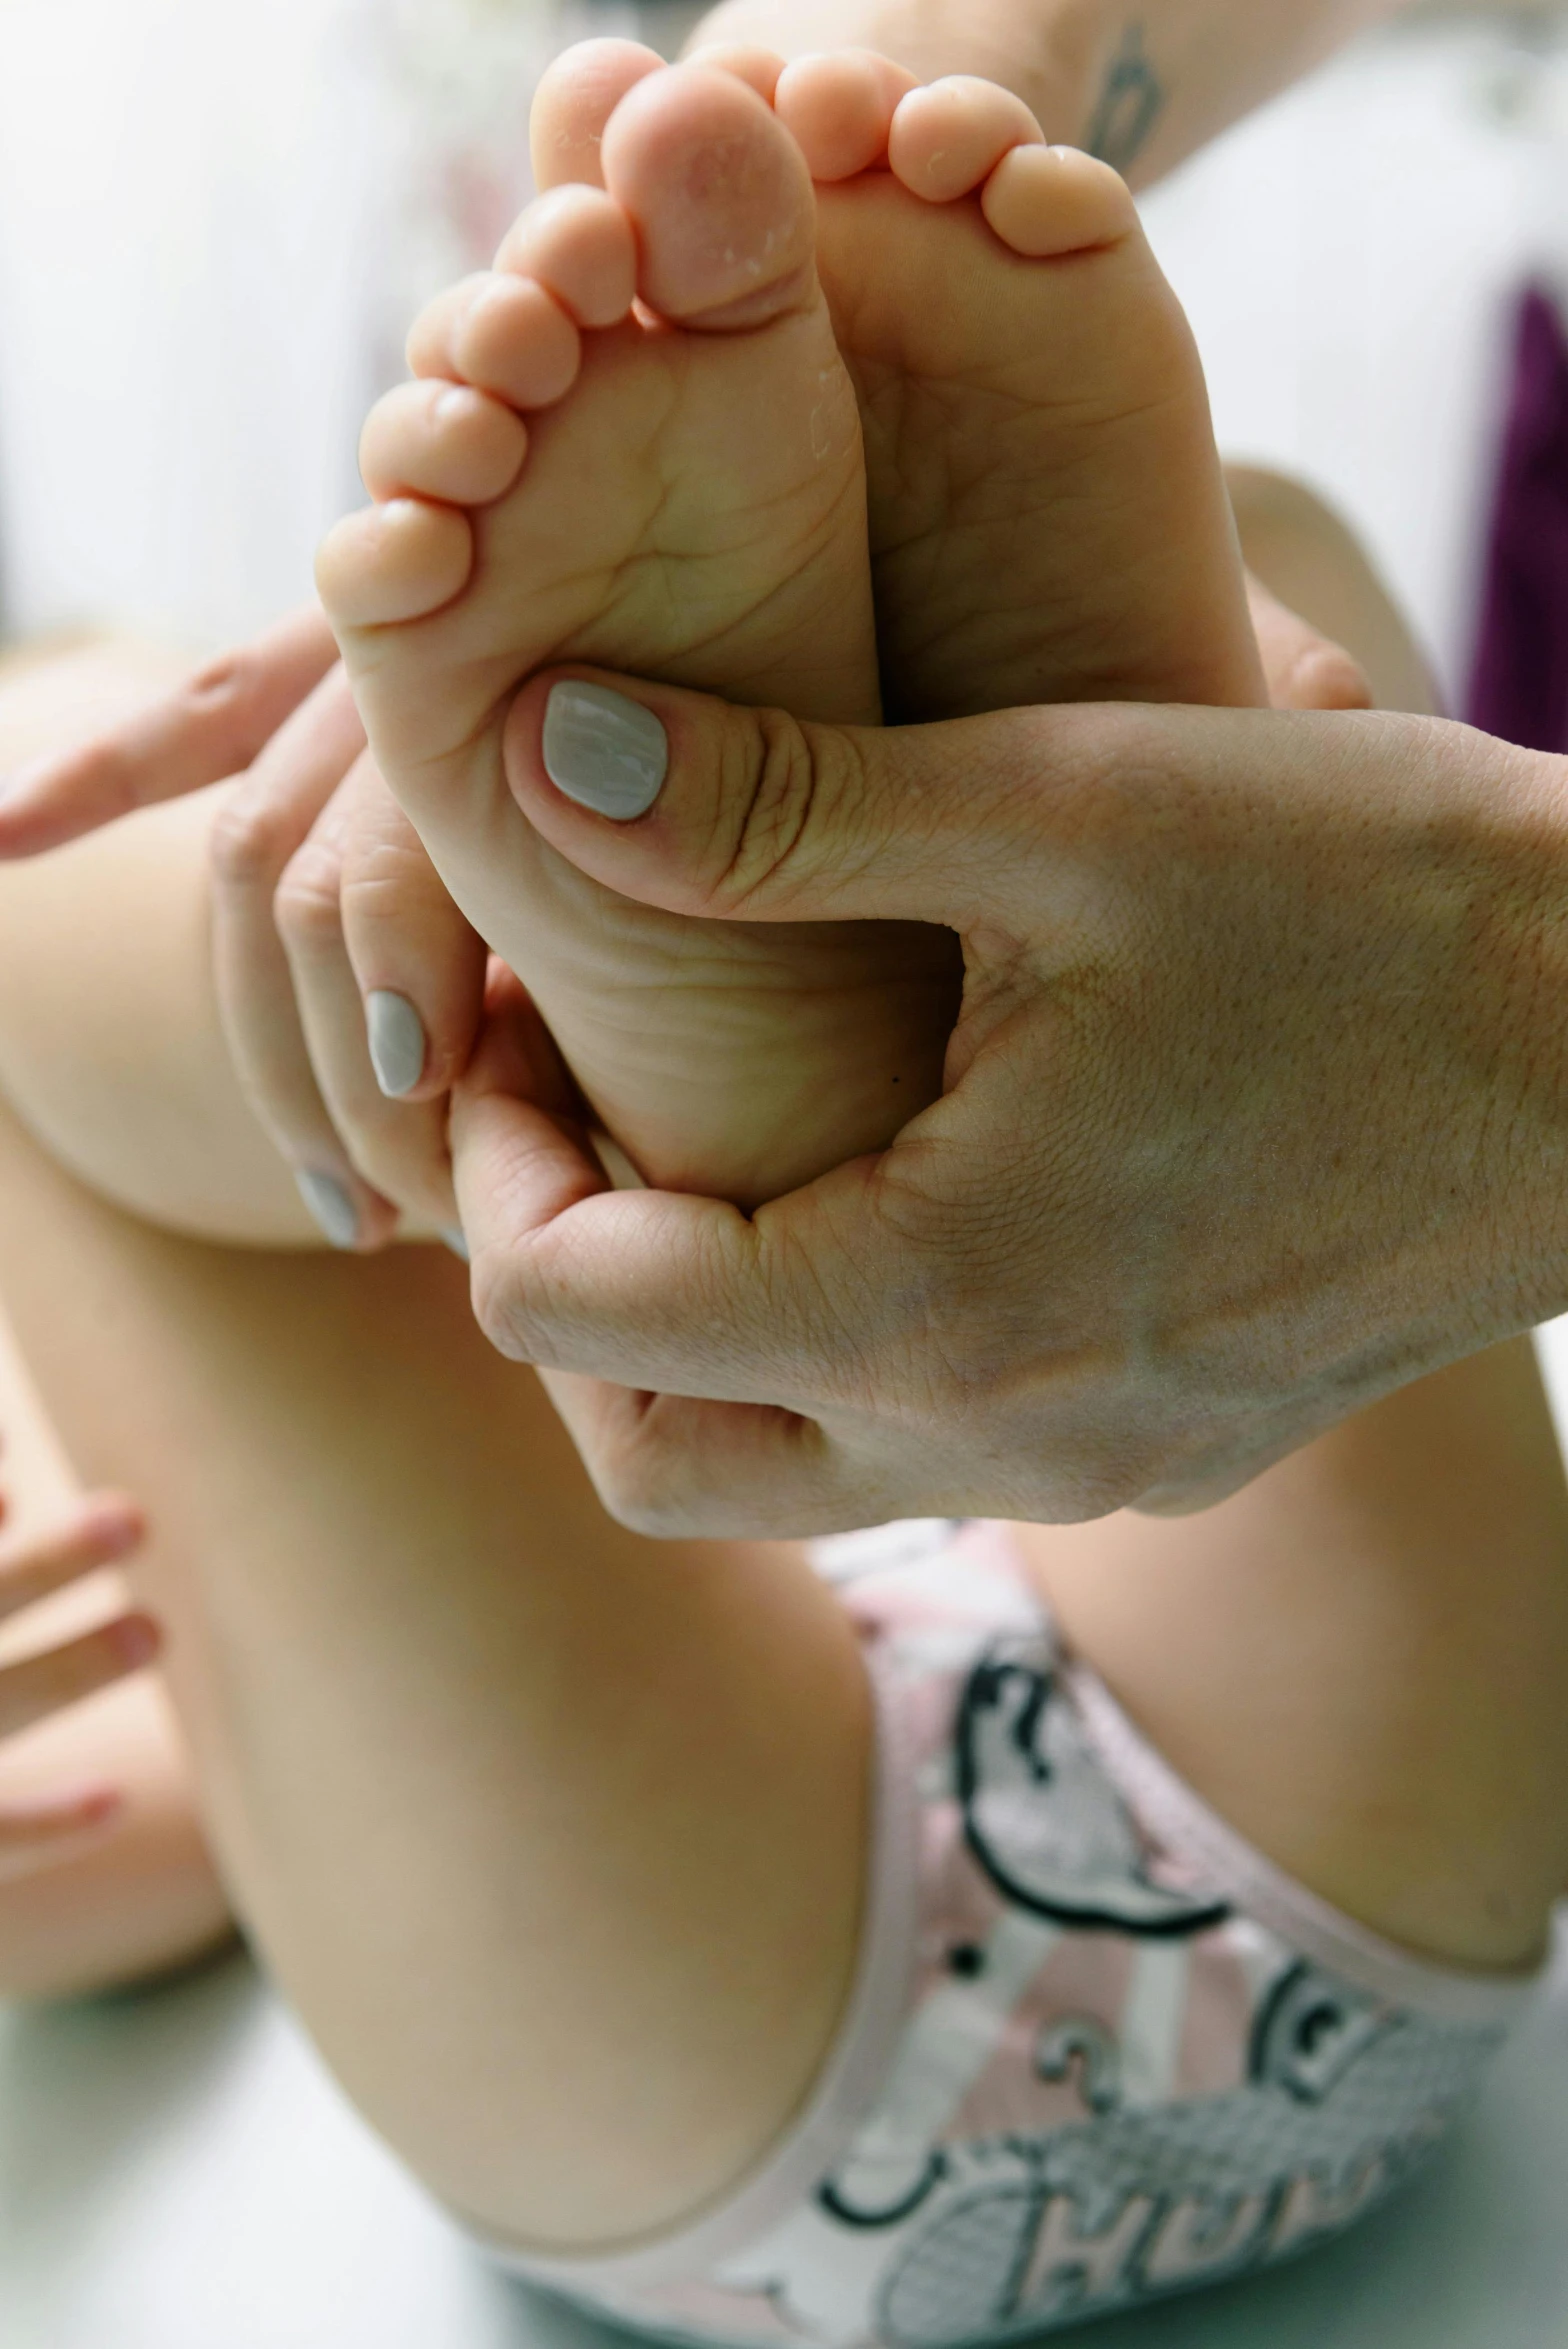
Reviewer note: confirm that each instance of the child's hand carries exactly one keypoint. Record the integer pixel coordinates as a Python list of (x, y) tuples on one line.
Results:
[(32, 1569)]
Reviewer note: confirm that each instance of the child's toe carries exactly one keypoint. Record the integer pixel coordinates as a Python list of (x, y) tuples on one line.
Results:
[(839, 109), (759, 69), (393, 563), (502, 334), (575, 100), (1047, 201), (947, 138), (577, 243), (441, 440), (721, 197)]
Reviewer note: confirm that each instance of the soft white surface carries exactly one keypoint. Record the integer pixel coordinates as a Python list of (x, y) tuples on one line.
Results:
[(177, 2173), (190, 218)]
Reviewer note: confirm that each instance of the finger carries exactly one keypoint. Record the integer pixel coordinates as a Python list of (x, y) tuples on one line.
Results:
[(675, 1294), (212, 727), (399, 1147), (258, 833), (1305, 669), (42, 1834), (745, 814), (419, 965), (47, 1684), (670, 1467), (102, 1533)]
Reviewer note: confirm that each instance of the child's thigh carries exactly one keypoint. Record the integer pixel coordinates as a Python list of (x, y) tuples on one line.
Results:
[(521, 1807)]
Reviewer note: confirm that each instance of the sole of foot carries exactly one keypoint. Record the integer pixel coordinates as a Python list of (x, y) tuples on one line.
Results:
[(1048, 513)]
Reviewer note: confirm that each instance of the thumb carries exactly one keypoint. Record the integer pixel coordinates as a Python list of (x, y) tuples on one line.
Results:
[(737, 814)]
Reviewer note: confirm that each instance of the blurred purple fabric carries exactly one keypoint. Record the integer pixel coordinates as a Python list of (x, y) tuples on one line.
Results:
[(1519, 684)]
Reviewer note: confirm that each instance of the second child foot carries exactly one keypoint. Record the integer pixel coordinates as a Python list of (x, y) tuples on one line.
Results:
[(1048, 513)]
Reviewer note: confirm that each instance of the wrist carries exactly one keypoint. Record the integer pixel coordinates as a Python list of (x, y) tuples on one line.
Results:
[(1510, 1154)]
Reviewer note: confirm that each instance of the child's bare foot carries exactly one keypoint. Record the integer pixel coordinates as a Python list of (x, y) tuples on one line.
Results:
[(1049, 521), (1048, 514), (688, 502)]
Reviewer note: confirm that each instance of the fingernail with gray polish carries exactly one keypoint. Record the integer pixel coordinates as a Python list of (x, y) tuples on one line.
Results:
[(331, 1206), (603, 751), (458, 1244), (399, 1046)]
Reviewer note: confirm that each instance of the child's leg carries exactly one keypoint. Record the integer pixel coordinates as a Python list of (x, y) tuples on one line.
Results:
[(555, 1835), (1362, 1660)]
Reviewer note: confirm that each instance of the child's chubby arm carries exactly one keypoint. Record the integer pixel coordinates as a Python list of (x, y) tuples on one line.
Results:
[(1144, 83), (104, 1873)]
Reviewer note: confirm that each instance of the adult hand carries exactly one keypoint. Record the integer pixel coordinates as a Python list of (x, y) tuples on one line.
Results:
[(31, 1571), (349, 985), (1142, 87), (1253, 1113)]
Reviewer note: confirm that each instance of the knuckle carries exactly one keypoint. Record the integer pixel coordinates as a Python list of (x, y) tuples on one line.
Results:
[(221, 700), (383, 880), (634, 1498), (646, 1485), (498, 1305), (783, 785), (308, 902), (223, 686), (249, 843)]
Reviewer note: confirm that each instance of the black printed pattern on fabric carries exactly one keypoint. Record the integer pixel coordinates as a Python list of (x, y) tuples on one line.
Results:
[(1075, 1857), (1211, 2099)]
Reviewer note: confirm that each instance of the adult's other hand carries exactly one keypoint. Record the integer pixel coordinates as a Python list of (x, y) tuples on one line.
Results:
[(350, 986), (1255, 1111)]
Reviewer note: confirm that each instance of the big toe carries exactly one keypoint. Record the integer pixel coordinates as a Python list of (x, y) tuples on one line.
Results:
[(720, 193)]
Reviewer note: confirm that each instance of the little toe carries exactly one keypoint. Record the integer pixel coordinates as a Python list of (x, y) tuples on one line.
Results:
[(947, 138), (721, 198), (577, 243), (392, 563), (1048, 201), (441, 440), (429, 346), (574, 101), (501, 334), (839, 109)]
